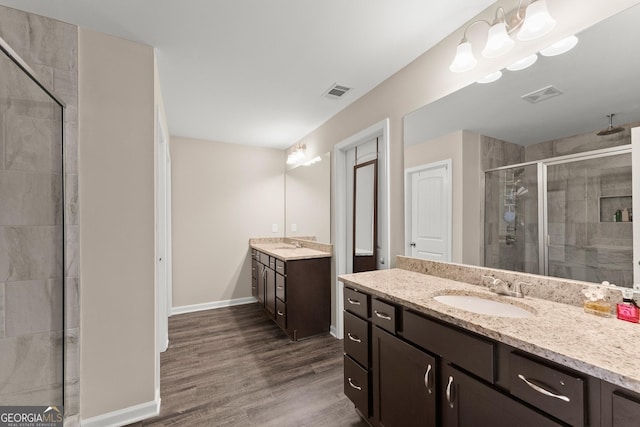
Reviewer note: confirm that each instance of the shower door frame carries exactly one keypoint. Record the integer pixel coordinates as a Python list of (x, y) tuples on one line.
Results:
[(542, 164)]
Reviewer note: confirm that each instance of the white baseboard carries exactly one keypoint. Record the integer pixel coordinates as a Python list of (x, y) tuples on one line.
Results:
[(211, 305), (123, 417), (333, 331)]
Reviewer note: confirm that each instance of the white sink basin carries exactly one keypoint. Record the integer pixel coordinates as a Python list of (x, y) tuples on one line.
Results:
[(485, 306)]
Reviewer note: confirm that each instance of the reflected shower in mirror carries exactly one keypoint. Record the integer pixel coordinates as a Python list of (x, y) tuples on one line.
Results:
[(308, 199), (365, 216), (514, 127)]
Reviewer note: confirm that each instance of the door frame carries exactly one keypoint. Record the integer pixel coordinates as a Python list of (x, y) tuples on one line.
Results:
[(339, 208), (408, 226)]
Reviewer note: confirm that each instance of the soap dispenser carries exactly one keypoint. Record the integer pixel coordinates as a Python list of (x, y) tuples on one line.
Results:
[(596, 302), (628, 309)]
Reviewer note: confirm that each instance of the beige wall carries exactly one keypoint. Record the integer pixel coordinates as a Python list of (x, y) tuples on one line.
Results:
[(116, 187), (223, 194)]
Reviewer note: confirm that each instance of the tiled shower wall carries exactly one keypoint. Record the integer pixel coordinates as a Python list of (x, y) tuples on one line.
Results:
[(588, 248), (51, 49)]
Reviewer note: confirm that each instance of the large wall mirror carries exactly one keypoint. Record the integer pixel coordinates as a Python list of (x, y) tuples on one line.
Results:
[(545, 206), (308, 199)]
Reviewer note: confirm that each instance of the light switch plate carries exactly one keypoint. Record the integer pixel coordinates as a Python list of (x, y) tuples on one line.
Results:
[(274, 228), (294, 227)]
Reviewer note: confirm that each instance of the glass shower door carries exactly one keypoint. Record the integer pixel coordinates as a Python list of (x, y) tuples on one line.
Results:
[(511, 236), (31, 242), (589, 231)]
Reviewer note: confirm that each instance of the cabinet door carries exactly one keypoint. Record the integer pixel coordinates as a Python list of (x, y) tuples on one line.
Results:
[(270, 292), (468, 402), (404, 384), (260, 283)]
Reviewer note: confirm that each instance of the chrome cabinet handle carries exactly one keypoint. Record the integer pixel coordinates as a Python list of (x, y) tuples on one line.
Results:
[(352, 338), (353, 301), (353, 385), (427, 382), (382, 315), (280, 313), (542, 390), (280, 287), (449, 393)]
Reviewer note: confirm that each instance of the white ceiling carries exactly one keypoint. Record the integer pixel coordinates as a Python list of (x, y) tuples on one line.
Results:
[(254, 71)]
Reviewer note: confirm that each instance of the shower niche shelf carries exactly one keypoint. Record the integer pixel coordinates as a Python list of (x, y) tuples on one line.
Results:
[(610, 204)]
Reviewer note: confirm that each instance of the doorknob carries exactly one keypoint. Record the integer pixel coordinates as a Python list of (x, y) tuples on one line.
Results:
[(412, 244)]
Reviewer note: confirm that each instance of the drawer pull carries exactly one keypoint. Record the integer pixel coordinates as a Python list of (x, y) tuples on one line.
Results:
[(353, 301), (449, 393), (542, 390), (352, 338), (280, 287), (382, 315), (427, 381), (280, 313), (353, 385)]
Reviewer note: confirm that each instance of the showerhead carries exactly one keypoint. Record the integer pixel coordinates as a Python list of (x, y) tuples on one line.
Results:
[(610, 130)]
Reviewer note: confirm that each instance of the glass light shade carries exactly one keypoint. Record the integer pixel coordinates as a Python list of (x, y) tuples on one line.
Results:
[(498, 41), (490, 78), (523, 63), (537, 21), (464, 60), (560, 47)]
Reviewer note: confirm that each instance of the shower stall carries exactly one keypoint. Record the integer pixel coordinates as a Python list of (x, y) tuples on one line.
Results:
[(567, 217), (31, 238)]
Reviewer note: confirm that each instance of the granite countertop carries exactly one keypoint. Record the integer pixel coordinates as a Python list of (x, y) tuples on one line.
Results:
[(606, 348), (289, 252)]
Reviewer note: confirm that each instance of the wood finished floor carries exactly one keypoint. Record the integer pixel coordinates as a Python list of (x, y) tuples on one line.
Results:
[(234, 367)]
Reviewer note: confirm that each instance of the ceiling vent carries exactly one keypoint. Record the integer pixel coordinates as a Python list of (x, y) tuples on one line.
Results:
[(542, 94), (336, 91)]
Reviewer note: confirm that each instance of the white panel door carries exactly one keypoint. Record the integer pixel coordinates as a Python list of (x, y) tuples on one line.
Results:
[(431, 213)]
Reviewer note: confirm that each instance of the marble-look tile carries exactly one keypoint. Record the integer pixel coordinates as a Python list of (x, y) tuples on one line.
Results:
[(70, 147), (30, 198), (71, 199), (28, 362), (30, 144), (33, 307), (65, 85), (53, 43), (30, 253), (72, 303), (43, 396), (72, 251), (2, 310)]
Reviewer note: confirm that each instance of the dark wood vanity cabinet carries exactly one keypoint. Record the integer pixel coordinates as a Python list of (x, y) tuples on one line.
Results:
[(420, 371), (296, 294)]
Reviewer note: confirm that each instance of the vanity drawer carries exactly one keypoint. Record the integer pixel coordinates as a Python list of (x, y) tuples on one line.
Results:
[(556, 392), (384, 315), (469, 352), (280, 266), (281, 288), (356, 385), (356, 338), (357, 302), (281, 314), (264, 258)]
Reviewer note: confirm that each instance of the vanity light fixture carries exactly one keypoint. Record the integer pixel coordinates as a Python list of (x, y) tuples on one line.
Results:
[(560, 47), (535, 22), (523, 63), (490, 78), (296, 155)]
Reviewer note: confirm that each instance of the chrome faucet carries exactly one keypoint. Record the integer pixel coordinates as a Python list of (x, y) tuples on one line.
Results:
[(500, 287)]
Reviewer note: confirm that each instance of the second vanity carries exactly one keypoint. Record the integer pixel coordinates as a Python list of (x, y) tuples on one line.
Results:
[(291, 279), (413, 360)]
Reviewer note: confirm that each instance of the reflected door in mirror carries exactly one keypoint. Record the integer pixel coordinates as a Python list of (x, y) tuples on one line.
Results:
[(365, 216)]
